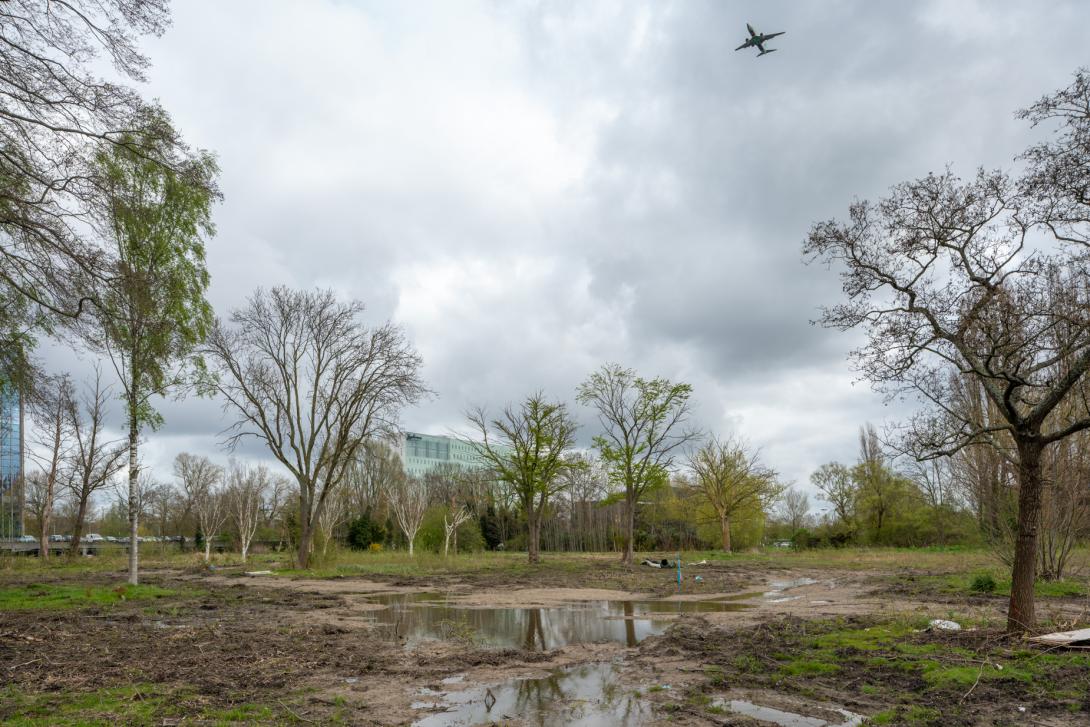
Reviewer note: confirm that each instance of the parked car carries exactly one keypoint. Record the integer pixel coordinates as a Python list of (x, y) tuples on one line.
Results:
[(92, 538), (27, 539), (59, 538)]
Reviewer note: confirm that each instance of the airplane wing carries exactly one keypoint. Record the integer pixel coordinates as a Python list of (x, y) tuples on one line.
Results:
[(744, 45), (773, 35)]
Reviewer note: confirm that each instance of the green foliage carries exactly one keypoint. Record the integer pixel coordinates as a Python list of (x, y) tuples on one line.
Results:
[(431, 534), (154, 311), (982, 583), (363, 531)]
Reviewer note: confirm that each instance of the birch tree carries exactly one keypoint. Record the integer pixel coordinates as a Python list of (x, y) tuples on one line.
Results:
[(246, 488), (409, 501), (153, 312), (200, 482), (212, 510)]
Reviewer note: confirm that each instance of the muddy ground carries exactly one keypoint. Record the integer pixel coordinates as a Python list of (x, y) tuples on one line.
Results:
[(299, 651)]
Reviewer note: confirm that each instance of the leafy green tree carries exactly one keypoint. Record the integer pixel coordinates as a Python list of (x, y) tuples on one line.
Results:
[(153, 312), (729, 476), (526, 449), (834, 481), (643, 427)]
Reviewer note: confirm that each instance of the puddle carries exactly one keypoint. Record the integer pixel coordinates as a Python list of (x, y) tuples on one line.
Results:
[(416, 617), (787, 719), (588, 695), (795, 583)]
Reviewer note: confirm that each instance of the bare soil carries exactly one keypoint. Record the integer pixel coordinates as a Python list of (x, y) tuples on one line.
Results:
[(307, 648)]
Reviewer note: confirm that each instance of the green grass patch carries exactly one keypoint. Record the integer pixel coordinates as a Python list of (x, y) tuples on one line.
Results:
[(807, 667), (39, 596), (135, 704)]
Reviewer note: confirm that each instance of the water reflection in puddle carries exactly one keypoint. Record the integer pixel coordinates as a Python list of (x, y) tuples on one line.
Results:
[(419, 616), (787, 719), (583, 696)]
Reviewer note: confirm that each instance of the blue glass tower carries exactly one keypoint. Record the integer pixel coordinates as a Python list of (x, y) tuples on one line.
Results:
[(11, 462)]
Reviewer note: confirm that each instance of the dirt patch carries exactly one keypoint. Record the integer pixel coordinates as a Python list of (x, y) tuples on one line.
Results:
[(906, 675)]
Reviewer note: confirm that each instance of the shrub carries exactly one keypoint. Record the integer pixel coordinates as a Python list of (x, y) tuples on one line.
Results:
[(982, 583)]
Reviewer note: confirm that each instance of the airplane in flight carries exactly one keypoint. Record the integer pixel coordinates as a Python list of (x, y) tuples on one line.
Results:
[(757, 40)]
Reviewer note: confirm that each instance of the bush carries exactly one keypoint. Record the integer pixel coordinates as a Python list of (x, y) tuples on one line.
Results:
[(432, 534), (363, 532), (982, 583)]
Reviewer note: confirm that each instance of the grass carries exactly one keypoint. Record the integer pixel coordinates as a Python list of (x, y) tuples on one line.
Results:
[(962, 584), (897, 653), (135, 704), (37, 596)]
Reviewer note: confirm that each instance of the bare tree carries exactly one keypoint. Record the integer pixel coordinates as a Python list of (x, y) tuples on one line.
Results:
[(587, 484), (94, 458), (332, 516), (643, 426), (452, 520), (795, 509), (945, 274), (212, 511), (162, 498), (526, 448), (305, 376), (200, 482), (409, 500), (52, 408), (729, 476), (371, 477), (246, 488)]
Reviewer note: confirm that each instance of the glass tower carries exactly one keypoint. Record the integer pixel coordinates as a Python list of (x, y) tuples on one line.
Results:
[(11, 462)]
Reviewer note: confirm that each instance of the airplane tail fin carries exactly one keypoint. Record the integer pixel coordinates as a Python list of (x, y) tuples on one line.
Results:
[(766, 52)]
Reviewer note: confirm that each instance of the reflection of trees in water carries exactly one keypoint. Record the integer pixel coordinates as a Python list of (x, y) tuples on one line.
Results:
[(535, 632), (591, 690), (538, 696), (529, 628)]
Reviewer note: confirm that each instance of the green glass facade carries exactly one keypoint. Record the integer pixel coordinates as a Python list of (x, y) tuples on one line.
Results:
[(422, 453)]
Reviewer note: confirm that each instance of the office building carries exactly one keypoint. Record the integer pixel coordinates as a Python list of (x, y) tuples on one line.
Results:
[(11, 463), (422, 453)]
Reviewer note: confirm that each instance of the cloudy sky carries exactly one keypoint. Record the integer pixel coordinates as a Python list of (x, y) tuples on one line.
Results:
[(533, 189)]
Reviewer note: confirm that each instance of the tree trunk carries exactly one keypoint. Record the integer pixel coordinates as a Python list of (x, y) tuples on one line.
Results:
[(628, 556), (134, 515), (724, 526), (245, 547), (77, 528), (446, 540), (533, 522), (1020, 615), (306, 528), (207, 548), (306, 535), (411, 546)]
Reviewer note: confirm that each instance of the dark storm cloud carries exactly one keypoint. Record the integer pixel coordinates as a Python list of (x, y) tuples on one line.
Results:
[(533, 189)]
